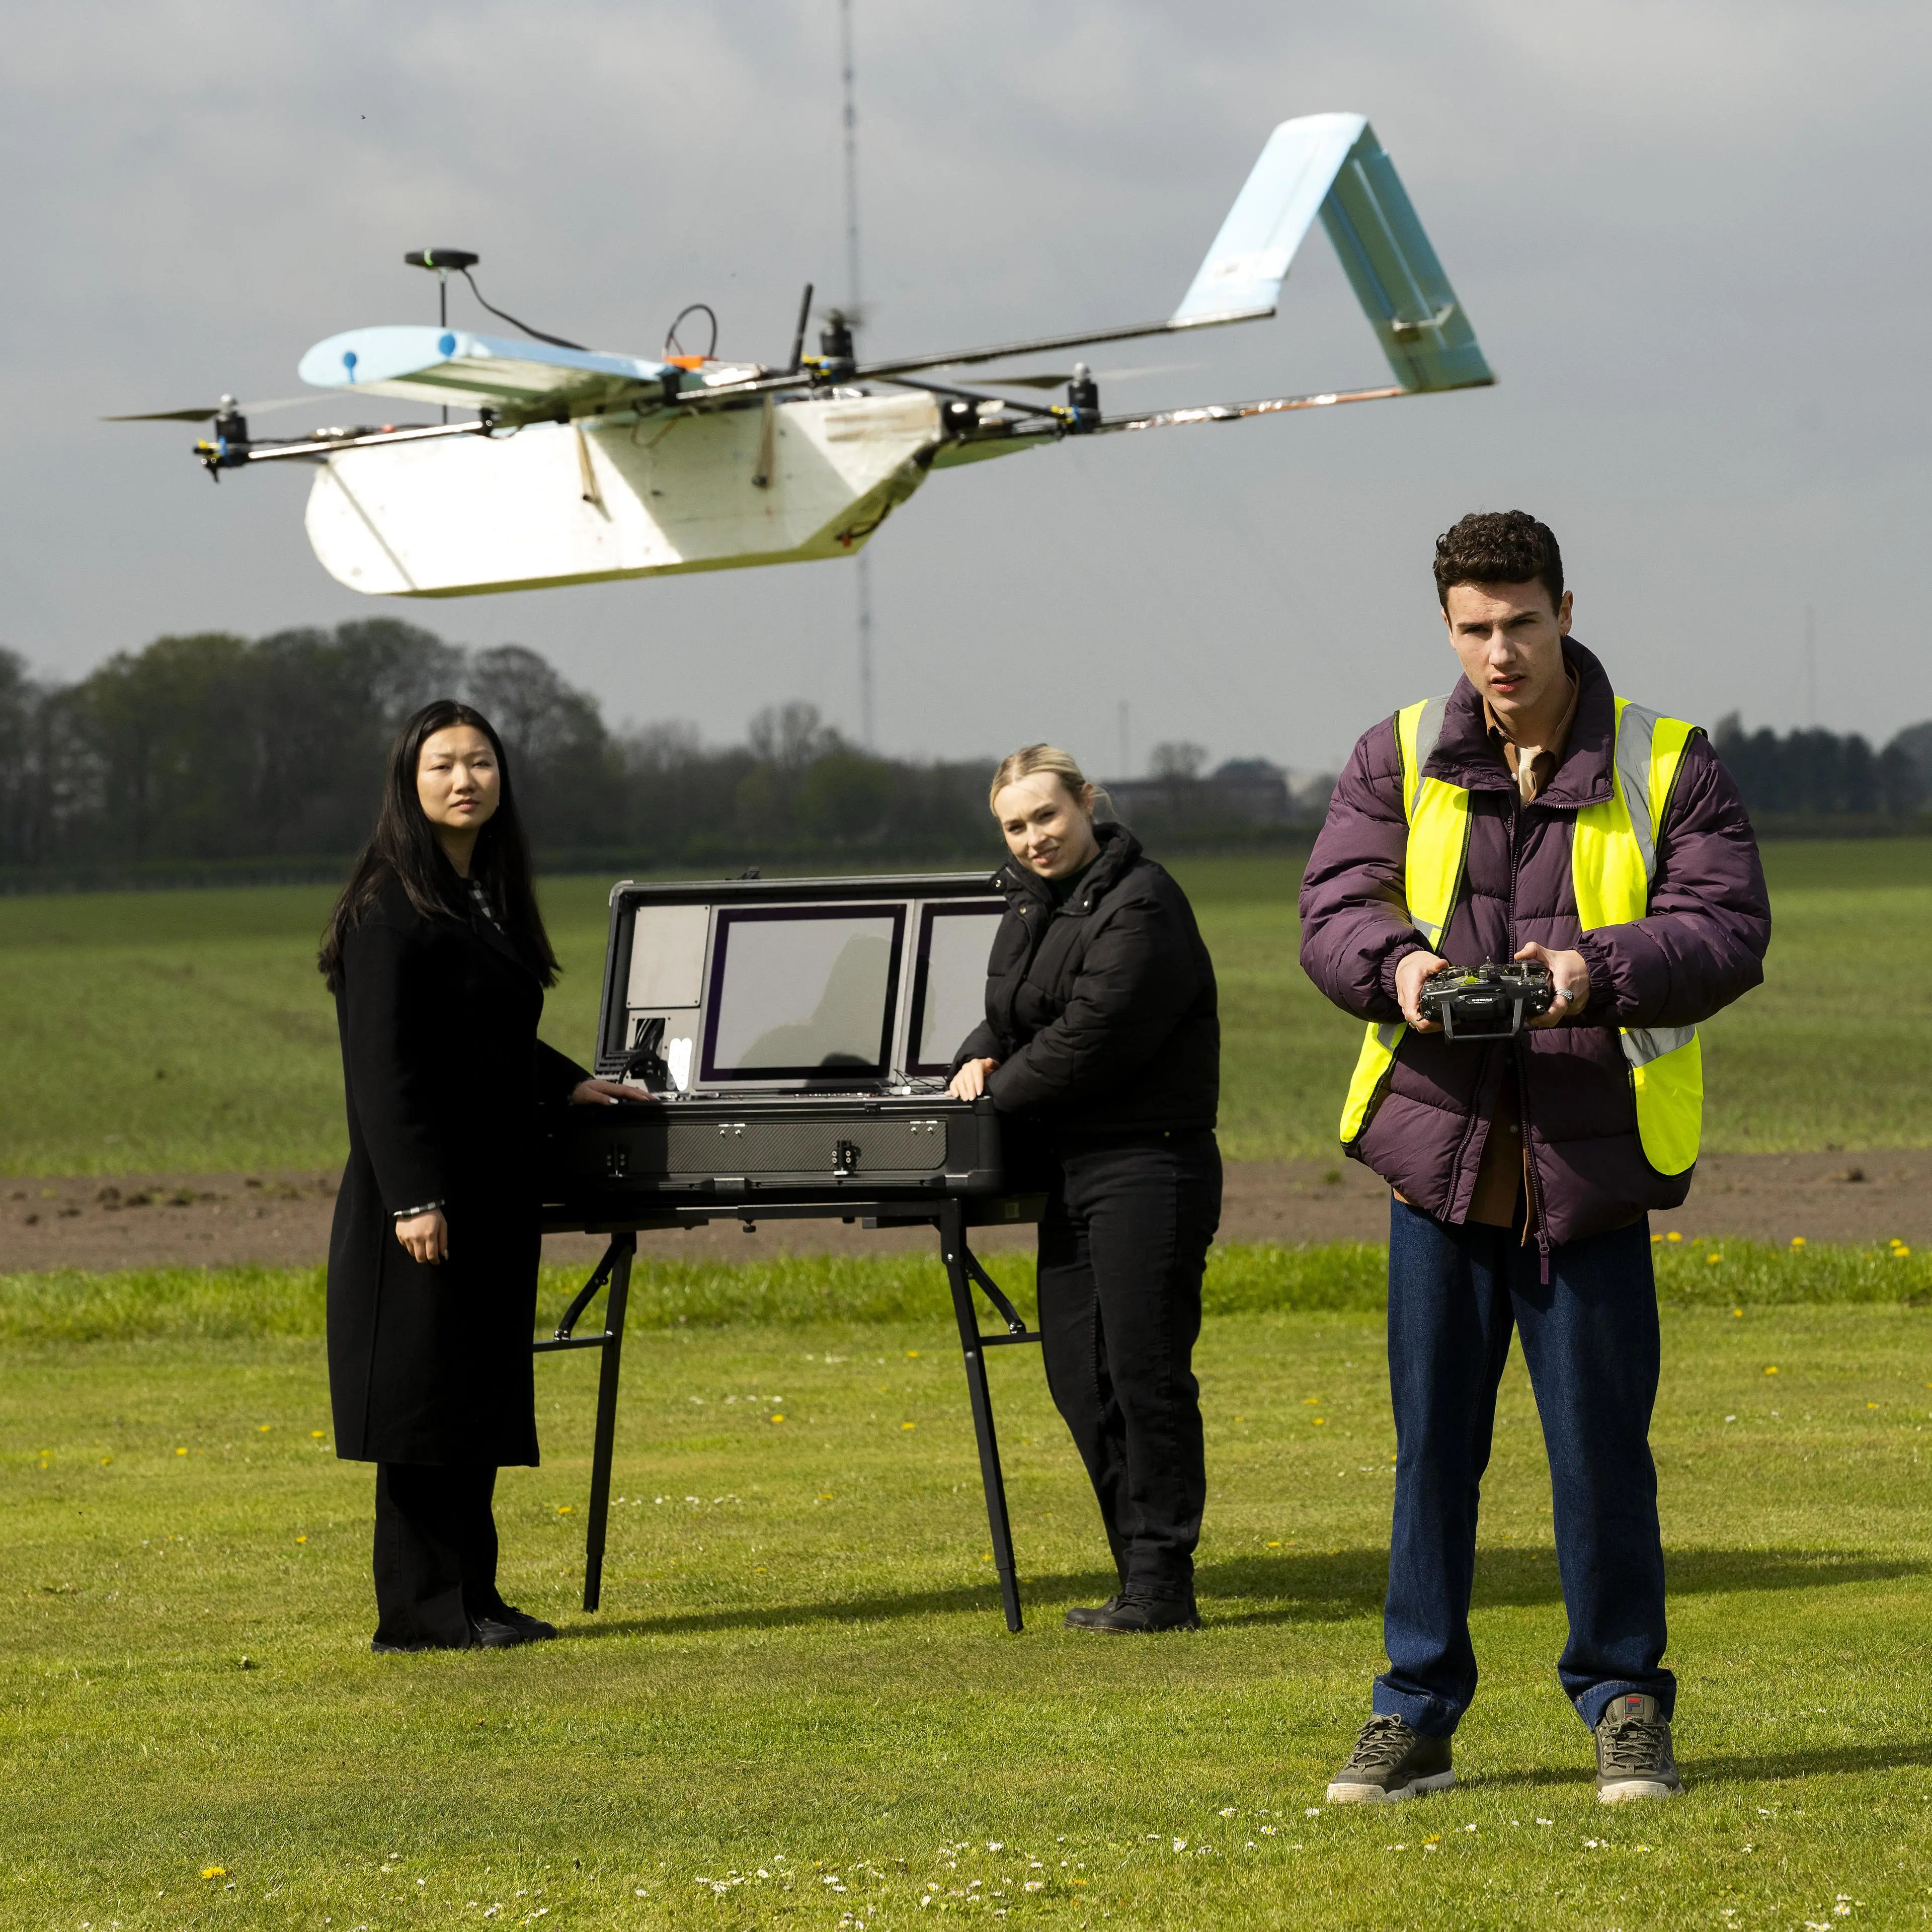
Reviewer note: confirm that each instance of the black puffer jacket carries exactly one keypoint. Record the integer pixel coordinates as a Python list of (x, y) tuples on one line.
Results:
[(1101, 1011)]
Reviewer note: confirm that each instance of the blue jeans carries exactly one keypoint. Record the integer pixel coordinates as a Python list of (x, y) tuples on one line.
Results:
[(1590, 1342)]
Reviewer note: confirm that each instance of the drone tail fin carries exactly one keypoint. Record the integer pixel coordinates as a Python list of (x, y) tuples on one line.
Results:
[(1332, 165)]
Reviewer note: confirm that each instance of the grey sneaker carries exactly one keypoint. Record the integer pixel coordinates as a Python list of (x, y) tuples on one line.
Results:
[(1633, 1755), (1390, 1761)]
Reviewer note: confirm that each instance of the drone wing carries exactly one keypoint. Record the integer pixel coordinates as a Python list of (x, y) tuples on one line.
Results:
[(1332, 165), (516, 379), (1327, 164)]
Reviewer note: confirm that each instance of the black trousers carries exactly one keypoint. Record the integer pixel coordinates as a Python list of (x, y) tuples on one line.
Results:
[(1122, 1248), (435, 1552)]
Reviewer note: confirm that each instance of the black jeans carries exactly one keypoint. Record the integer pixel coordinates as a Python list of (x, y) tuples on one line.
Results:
[(1590, 1342), (1122, 1246), (435, 1552)]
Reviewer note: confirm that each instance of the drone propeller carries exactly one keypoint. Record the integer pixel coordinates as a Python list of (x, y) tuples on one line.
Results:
[(228, 406)]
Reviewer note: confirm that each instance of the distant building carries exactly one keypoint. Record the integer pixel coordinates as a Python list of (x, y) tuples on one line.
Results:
[(1243, 795)]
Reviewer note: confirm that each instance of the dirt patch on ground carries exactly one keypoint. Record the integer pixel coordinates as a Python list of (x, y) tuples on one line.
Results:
[(176, 1219)]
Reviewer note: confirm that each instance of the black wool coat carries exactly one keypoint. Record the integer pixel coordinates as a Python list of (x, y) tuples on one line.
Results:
[(1101, 1011), (445, 1075)]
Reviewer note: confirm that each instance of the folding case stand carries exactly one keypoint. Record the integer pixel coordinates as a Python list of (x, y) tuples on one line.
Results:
[(951, 1217)]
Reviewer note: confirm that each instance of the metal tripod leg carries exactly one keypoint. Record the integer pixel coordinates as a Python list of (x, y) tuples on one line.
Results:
[(953, 1248), (624, 1248)]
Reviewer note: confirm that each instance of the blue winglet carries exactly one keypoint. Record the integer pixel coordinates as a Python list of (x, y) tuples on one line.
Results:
[(1332, 165)]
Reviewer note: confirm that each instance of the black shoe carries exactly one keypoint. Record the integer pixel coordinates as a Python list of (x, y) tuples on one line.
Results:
[(494, 1634), (1135, 1611), (1391, 1761), (1634, 1759), (534, 1630)]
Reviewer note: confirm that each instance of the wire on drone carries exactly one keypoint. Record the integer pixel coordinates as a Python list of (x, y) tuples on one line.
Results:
[(503, 315)]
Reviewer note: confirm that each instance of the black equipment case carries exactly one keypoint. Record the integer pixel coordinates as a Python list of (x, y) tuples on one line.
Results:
[(796, 1036)]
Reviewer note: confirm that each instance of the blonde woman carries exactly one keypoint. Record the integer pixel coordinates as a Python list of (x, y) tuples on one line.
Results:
[(1101, 1030)]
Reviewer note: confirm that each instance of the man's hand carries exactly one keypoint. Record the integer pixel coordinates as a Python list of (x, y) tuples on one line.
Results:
[(606, 1092), (969, 1082), (1571, 975), (1411, 970), (426, 1236)]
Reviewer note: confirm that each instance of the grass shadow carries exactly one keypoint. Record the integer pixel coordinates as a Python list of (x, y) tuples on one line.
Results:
[(1701, 1771), (1346, 1582), (1310, 1588)]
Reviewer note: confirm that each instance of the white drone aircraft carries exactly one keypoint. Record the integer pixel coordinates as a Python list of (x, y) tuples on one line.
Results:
[(579, 466)]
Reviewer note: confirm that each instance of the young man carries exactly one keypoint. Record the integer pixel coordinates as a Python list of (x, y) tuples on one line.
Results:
[(1532, 815)]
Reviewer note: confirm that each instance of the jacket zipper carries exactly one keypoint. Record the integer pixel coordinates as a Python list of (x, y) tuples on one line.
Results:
[(1532, 1186)]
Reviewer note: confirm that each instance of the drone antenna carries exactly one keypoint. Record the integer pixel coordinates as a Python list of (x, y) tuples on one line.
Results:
[(797, 361), (674, 347)]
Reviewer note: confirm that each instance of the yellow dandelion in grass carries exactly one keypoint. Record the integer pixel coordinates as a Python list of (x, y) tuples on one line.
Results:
[(1772, 1370), (105, 1460), (262, 1429), (1900, 1251), (1275, 1544), (908, 1425), (1712, 1261), (1798, 1240), (1655, 1239), (214, 1871), (1321, 1421), (1673, 1236), (912, 1354), (181, 1452), (1737, 1312), (317, 1435), (302, 1539), (777, 1418), (566, 1509)]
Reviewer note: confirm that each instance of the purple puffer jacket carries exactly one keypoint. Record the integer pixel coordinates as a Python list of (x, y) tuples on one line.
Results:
[(1701, 947)]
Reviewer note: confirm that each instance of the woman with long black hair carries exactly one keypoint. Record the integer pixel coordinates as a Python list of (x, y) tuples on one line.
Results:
[(1101, 1032), (438, 959)]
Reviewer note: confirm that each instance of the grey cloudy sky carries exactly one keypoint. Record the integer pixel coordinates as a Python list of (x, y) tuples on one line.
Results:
[(1691, 236)]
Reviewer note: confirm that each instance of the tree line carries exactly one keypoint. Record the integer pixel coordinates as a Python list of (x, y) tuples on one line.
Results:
[(1820, 774), (214, 749)]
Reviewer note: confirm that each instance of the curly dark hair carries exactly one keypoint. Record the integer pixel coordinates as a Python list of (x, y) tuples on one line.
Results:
[(1498, 547)]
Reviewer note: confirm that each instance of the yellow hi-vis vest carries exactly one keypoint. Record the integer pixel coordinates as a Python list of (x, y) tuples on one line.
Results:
[(1612, 861)]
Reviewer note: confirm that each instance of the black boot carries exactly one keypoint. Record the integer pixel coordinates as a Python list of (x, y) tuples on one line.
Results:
[(1134, 1611)]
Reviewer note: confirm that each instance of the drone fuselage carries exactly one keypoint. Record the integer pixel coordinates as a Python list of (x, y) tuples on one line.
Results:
[(783, 480)]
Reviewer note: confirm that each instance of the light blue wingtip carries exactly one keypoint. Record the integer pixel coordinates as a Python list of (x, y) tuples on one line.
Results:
[(1396, 277)]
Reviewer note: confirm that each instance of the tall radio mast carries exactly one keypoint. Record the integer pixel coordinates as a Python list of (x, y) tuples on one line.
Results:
[(867, 723)]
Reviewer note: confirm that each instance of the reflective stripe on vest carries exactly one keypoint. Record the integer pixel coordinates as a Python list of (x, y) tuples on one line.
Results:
[(1613, 862)]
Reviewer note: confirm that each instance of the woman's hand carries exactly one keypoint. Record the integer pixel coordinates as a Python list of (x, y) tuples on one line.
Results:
[(605, 1093), (426, 1236), (969, 1082)]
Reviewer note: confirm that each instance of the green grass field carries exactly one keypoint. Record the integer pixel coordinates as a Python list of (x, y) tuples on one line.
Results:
[(188, 1030), (799, 1705)]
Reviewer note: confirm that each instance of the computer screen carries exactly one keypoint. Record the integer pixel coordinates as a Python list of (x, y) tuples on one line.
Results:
[(803, 992), (950, 990)]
